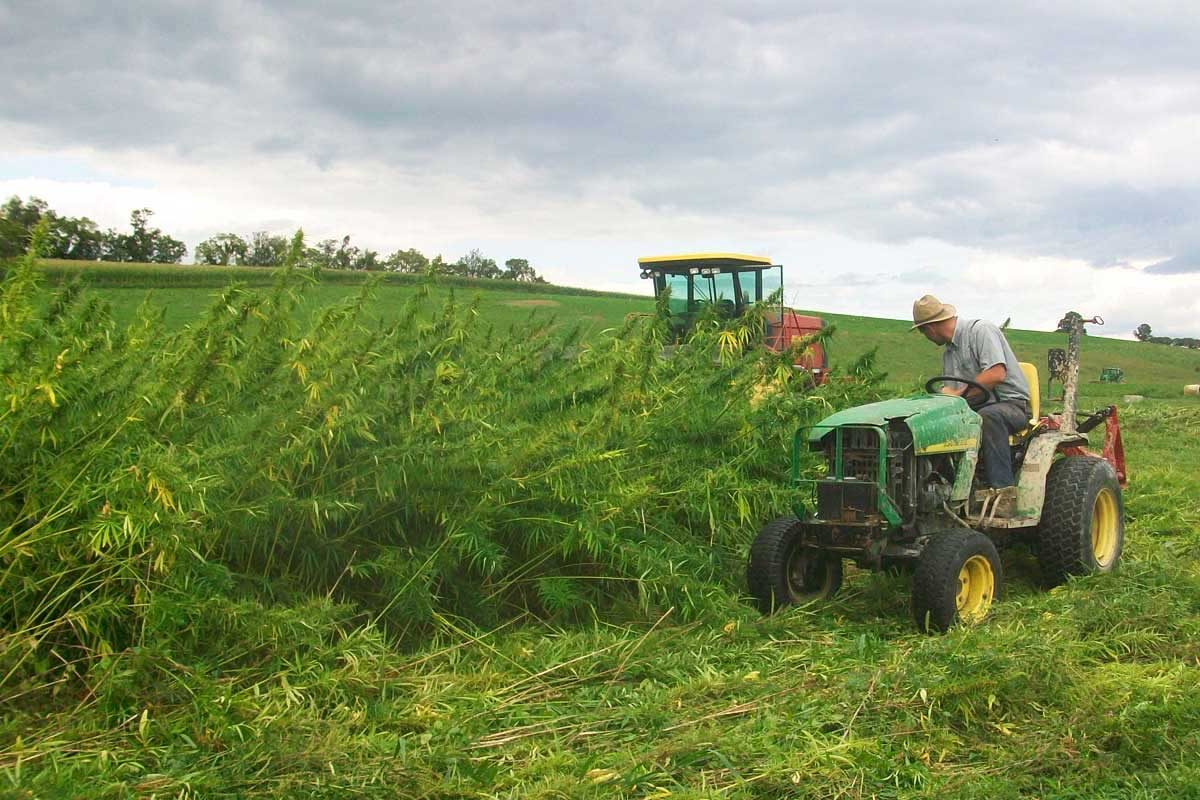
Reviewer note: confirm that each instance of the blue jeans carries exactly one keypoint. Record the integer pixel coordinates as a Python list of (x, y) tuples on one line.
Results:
[(1000, 420)]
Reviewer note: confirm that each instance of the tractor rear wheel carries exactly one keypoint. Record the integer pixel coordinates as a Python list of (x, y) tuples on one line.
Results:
[(957, 578), (784, 571), (1083, 520)]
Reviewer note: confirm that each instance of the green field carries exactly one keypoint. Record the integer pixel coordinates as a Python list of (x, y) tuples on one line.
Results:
[(1152, 370), (186, 291), (433, 563)]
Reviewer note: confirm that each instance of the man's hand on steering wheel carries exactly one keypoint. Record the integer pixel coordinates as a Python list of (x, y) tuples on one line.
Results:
[(976, 394)]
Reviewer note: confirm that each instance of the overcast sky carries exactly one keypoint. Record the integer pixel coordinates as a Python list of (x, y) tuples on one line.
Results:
[(1018, 160)]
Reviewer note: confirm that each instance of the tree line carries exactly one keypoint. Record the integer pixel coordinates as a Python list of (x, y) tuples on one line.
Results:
[(79, 238), (1144, 333), (262, 249)]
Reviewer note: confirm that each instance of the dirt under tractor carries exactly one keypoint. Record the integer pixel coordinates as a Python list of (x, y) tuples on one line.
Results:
[(730, 284), (900, 492)]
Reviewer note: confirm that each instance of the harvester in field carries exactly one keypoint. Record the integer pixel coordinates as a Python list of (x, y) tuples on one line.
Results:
[(729, 284), (900, 491)]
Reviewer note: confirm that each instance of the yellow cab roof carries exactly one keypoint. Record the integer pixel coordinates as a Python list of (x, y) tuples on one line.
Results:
[(686, 261)]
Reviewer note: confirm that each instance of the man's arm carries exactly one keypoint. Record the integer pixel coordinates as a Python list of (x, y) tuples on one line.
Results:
[(990, 378)]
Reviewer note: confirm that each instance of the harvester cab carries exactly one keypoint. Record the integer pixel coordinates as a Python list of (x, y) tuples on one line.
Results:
[(730, 284), (899, 490)]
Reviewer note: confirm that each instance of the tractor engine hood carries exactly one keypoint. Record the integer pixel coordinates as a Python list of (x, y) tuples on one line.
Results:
[(939, 423)]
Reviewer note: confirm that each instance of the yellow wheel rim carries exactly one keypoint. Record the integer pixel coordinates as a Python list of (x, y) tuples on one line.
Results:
[(1104, 529), (976, 588)]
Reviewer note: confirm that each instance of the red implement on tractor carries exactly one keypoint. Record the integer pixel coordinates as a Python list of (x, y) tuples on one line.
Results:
[(731, 283)]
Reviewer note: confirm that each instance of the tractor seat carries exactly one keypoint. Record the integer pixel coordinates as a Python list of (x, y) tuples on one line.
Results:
[(1035, 404)]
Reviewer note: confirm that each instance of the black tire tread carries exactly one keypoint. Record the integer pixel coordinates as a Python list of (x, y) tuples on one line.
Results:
[(1063, 543), (766, 569), (767, 556), (935, 581)]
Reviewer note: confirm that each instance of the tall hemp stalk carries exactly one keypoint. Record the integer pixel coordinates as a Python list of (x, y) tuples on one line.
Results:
[(412, 464)]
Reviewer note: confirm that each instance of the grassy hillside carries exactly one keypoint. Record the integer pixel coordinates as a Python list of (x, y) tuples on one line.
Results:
[(1153, 370), (185, 291), (267, 549)]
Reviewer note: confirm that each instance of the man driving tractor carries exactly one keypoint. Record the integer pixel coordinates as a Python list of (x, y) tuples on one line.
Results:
[(976, 350)]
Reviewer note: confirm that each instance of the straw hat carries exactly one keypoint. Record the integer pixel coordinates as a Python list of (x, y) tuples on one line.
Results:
[(929, 309)]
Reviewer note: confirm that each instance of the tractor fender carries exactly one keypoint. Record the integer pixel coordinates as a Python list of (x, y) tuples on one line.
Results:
[(1039, 456)]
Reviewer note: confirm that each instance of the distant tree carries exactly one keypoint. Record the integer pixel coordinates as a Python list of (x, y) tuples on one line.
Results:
[(347, 254), (475, 265), (1142, 334), (24, 213), (222, 249), (340, 254), (368, 260), (518, 269), (13, 239), (74, 238), (17, 219), (265, 250), (407, 261), (323, 254), (143, 243)]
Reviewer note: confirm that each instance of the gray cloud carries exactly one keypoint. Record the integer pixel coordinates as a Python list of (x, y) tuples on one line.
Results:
[(1010, 127), (1186, 262)]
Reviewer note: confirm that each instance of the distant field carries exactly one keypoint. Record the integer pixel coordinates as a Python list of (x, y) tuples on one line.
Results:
[(185, 291)]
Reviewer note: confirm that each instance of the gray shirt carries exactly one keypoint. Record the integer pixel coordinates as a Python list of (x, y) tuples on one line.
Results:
[(979, 345)]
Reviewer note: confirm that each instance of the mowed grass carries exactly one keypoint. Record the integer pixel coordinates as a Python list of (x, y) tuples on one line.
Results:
[(1091, 690)]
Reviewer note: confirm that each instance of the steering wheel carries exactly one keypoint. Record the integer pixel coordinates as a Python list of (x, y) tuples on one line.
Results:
[(976, 404)]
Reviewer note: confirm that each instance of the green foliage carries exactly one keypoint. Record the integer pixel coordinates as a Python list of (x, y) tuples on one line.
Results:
[(223, 250), (73, 239), (410, 261), (280, 551), (409, 468), (266, 250), (65, 237), (518, 269), (143, 243), (475, 265)]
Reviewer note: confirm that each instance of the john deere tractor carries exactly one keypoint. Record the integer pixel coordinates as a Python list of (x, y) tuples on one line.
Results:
[(899, 492)]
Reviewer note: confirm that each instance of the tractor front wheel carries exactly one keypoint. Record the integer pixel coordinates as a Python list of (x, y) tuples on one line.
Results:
[(784, 571), (1083, 520), (957, 578)]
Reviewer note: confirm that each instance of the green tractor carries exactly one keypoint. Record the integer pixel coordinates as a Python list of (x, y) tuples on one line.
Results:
[(730, 284), (899, 493)]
